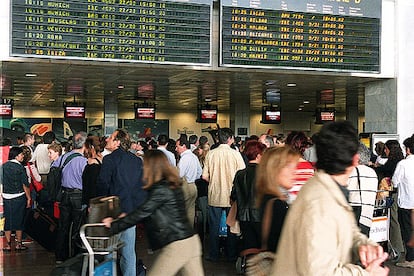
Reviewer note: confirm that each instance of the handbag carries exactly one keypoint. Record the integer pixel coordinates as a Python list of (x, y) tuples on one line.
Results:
[(261, 263), (232, 221), (38, 186)]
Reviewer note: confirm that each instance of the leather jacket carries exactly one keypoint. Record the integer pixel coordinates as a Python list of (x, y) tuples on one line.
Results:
[(163, 214), (243, 193)]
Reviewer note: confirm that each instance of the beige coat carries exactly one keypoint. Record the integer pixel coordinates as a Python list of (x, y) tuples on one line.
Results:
[(320, 233), (220, 166)]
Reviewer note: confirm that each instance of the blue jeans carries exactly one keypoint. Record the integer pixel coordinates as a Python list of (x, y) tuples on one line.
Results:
[(128, 259), (214, 215)]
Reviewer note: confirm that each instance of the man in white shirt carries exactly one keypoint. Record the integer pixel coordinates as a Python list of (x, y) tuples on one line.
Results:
[(403, 179), (189, 168), (41, 157), (162, 146)]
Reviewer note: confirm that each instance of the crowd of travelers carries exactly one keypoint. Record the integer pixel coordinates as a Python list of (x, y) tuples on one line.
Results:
[(308, 200)]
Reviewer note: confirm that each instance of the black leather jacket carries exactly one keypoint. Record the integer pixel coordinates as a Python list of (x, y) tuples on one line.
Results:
[(164, 216), (243, 193)]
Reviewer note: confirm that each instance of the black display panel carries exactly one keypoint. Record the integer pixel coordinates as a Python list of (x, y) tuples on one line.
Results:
[(310, 34), (145, 113), (207, 114), (271, 115), (74, 112), (176, 32), (325, 115), (6, 110)]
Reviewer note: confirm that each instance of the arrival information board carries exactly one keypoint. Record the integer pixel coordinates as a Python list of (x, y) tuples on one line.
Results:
[(333, 35), (142, 30)]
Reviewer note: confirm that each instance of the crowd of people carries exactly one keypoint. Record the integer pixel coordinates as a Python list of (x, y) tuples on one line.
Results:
[(321, 191)]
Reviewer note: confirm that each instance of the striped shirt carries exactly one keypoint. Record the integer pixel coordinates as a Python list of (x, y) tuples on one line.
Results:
[(363, 194), (304, 171)]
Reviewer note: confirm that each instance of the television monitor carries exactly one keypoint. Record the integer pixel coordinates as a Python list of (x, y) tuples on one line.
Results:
[(207, 114), (74, 111), (325, 115), (6, 110), (271, 115), (145, 113)]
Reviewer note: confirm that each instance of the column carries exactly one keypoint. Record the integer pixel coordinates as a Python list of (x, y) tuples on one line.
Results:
[(110, 113), (381, 106), (352, 112)]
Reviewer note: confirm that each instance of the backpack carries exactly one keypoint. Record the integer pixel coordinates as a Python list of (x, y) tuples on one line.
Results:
[(54, 178)]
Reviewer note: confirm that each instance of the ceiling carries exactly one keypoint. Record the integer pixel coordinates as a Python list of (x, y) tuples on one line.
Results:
[(169, 87)]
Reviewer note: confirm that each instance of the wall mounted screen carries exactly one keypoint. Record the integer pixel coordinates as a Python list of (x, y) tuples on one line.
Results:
[(271, 115), (340, 35), (145, 113), (152, 31), (6, 111), (207, 114), (75, 112)]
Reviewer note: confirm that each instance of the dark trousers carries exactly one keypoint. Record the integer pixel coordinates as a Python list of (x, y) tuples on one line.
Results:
[(70, 213), (404, 218), (214, 215)]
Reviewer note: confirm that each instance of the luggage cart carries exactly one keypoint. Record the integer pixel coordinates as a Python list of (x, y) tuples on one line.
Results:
[(380, 228), (101, 256)]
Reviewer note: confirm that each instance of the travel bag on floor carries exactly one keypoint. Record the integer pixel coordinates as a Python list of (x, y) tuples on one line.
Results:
[(41, 228)]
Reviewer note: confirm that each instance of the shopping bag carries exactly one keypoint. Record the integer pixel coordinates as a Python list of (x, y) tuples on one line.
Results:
[(223, 224)]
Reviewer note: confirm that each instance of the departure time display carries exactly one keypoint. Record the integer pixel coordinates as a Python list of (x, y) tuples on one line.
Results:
[(335, 35), (151, 31)]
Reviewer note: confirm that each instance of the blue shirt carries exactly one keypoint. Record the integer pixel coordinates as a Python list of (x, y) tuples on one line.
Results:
[(73, 170), (121, 175), (189, 166)]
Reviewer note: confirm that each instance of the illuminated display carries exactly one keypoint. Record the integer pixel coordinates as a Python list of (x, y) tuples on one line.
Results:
[(145, 113), (271, 115), (340, 35), (176, 32), (325, 115), (207, 114), (74, 112), (6, 111)]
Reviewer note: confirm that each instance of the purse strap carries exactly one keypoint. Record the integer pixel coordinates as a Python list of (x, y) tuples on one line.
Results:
[(359, 185), (266, 222), (31, 173)]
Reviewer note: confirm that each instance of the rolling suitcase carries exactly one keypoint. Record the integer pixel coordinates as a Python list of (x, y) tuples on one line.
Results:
[(42, 228)]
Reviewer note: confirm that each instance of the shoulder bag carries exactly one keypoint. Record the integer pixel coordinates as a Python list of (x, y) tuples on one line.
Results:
[(261, 263), (37, 185)]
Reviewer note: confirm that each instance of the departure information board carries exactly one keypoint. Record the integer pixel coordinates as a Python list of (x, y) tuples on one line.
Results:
[(329, 35), (153, 31)]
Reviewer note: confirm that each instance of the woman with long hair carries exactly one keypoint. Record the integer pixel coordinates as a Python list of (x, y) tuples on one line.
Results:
[(94, 146), (164, 216), (394, 155), (16, 197), (274, 177)]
